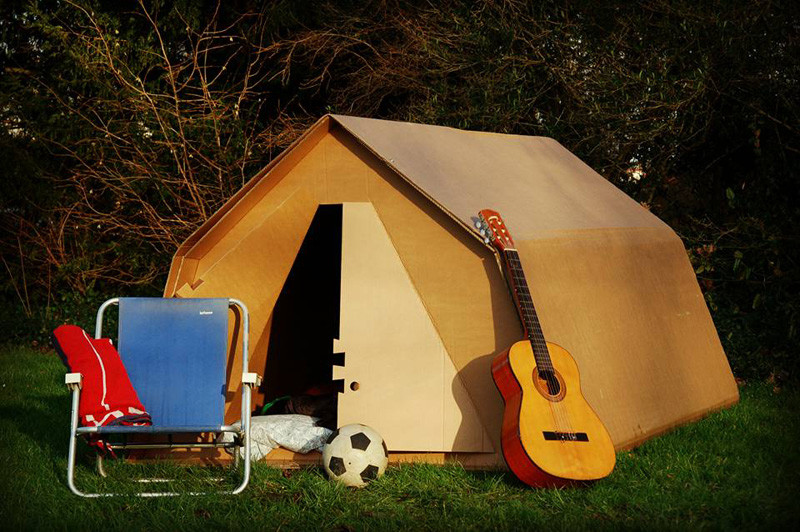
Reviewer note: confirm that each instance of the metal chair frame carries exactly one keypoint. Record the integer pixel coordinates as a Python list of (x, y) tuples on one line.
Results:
[(249, 381)]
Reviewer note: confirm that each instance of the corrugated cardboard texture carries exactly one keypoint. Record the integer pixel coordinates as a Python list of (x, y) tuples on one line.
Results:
[(612, 283)]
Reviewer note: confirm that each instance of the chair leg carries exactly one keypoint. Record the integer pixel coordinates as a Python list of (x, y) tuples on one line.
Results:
[(73, 442), (101, 470), (246, 468), (245, 442)]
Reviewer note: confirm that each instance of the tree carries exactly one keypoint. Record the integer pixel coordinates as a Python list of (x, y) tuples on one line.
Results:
[(128, 126)]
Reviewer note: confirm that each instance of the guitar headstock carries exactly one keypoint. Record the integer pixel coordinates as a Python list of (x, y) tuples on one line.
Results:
[(493, 230)]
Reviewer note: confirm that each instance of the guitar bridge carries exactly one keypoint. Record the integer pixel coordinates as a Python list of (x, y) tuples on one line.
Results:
[(550, 435)]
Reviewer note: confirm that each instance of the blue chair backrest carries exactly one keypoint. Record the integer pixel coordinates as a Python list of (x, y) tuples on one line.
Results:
[(174, 351)]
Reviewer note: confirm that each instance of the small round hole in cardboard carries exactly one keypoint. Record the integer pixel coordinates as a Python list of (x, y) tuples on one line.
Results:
[(354, 386)]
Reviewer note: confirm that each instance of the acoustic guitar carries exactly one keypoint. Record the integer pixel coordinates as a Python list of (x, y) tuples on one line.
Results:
[(551, 436)]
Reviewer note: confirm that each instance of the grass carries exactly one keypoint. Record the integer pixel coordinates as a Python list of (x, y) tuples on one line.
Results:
[(737, 469)]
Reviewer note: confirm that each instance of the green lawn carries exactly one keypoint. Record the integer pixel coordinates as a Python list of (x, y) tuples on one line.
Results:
[(737, 469)]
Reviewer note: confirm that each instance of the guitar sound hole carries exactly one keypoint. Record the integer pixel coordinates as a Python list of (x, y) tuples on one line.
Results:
[(550, 384), (550, 378)]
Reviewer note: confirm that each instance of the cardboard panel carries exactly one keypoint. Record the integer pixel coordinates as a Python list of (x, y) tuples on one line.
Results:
[(627, 307), (285, 195), (534, 182), (217, 227), (395, 363)]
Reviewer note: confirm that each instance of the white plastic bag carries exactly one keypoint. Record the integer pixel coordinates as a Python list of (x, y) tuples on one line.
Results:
[(295, 432)]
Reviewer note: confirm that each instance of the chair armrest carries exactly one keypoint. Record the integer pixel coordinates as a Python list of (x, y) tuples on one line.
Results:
[(74, 381), (251, 379)]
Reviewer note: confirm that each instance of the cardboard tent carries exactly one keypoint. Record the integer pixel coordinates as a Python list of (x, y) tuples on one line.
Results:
[(357, 257)]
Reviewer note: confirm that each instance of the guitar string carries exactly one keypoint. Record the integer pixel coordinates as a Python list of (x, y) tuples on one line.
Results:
[(541, 355), (536, 337), (517, 284), (560, 416)]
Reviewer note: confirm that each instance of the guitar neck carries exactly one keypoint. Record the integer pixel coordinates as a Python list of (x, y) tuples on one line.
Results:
[(526, 309)]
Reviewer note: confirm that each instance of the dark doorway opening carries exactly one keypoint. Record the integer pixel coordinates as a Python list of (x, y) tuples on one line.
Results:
[(305, 321)]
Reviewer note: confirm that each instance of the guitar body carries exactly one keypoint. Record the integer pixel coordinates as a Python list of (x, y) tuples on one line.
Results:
[(549, 439)]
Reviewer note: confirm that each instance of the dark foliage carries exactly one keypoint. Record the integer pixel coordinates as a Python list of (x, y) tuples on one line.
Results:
[(126, 124)]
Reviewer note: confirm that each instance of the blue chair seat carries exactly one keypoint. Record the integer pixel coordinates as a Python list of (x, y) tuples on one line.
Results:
[(174, 352)]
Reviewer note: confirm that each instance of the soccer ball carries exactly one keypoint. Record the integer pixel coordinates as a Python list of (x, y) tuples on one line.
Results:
[(354, 455)]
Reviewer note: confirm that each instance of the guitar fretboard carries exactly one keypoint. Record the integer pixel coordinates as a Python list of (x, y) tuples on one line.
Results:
[(526, 309)]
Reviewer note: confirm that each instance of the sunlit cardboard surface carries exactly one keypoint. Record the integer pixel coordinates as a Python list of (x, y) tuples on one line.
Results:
[(611, 282)]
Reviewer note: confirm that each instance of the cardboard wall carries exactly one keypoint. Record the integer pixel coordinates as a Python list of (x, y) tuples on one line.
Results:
[(396, 366)]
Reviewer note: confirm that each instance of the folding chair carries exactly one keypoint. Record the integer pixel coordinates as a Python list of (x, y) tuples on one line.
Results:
[(174, 351)]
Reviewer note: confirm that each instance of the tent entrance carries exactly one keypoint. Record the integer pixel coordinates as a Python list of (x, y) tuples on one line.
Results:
[(305, 321), (349, 291)]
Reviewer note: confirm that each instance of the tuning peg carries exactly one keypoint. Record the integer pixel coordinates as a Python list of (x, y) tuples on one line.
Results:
[(477, 224), (483, 232)]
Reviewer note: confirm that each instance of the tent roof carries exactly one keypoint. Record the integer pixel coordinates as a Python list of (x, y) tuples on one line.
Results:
[(538, 185), (541, 189)]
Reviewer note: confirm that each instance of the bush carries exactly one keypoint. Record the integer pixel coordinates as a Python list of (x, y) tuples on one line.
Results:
[(126, 128)]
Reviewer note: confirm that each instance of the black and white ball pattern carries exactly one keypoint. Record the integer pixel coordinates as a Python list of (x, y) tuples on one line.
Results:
[(355, 455)]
